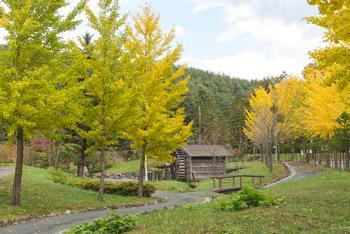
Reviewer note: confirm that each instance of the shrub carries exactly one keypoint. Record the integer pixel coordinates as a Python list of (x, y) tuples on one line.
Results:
[(246, 198), (124, 188), (110, 224), (251, 196), (62, 178)]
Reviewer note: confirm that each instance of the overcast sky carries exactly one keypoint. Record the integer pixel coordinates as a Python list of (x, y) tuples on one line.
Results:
[(249, 39)]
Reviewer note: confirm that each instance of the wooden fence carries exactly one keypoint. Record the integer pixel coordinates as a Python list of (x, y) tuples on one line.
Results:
[(336, 160)]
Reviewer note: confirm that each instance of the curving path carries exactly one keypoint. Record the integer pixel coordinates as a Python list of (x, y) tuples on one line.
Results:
[(297, 171), (57, 224)]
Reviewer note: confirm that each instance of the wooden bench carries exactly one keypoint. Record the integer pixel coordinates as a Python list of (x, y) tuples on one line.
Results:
[(235, 188)]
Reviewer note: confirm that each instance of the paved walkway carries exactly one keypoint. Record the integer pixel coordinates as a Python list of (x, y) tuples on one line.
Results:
[(297, 171), (56, 224)]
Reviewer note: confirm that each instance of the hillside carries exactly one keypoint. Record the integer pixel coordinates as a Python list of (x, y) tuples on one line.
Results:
[(220, 101)]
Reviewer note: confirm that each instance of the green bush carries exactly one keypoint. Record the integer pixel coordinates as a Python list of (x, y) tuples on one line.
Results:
[(63, 178), (246, 198), (251, 197), (124, 188), (110, 224)]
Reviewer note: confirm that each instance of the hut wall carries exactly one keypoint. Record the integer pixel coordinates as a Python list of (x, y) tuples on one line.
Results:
[(188, 168), (204, 167)]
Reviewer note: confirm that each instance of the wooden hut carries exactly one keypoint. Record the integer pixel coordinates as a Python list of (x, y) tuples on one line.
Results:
[(195, 162)]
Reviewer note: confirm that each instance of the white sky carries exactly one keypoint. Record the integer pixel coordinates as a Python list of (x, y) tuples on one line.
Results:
[(249, 39)]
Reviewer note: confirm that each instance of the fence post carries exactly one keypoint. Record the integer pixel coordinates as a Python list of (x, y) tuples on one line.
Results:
[(328, 161), (336, 160)]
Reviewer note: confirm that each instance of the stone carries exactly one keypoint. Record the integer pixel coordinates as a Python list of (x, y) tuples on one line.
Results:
[(68, 212)]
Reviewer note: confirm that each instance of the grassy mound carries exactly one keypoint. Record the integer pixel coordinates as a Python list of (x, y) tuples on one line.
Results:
[(125, 166)]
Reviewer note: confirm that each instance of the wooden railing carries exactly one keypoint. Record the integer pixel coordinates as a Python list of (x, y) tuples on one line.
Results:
[(220, 180)]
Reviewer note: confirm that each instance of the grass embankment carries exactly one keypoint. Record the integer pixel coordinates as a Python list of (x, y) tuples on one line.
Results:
[(5, 164), (317, 204), (255, 168), (41, 196), (125, 166)]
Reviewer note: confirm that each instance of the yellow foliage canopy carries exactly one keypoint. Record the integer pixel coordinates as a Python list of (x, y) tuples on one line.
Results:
[(160, 126), (322, 106), (272, 113)]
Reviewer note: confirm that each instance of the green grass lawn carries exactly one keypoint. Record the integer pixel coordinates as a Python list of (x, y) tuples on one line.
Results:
[(40, 195), (319, 204), (171, 186), (125, 166)]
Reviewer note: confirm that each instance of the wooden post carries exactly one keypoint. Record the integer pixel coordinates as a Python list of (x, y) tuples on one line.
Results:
[(214, 185), (240, 182), (220, 183), (233, 181), (335, 161)]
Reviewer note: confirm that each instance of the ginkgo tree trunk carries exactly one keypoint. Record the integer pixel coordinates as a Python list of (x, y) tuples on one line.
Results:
[(108, 89), (30, 65), (159, 128)]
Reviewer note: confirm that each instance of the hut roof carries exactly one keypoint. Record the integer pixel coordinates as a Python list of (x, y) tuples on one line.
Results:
[(206, 151)]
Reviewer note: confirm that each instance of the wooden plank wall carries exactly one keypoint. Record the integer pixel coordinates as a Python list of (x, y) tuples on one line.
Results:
[(206, 167)]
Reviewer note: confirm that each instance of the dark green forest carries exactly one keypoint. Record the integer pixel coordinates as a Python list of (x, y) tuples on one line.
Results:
[(215, 103)]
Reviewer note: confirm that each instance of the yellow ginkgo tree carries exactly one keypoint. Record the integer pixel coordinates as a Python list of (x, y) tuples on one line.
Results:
[(159, 128), (259, 121), (334, 18), (333, 60), (271, 115), (322, 105), (109, 93), (33, 92)]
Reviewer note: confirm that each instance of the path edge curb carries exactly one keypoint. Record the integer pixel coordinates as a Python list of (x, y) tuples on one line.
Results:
[(291, 172)]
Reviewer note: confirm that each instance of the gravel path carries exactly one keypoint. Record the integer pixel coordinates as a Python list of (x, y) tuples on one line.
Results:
[(5, 171), (59, 223)]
